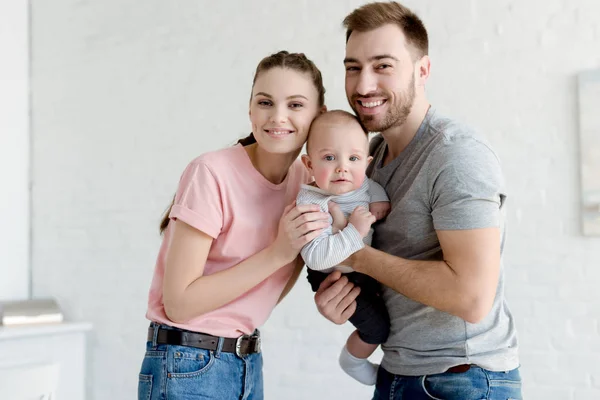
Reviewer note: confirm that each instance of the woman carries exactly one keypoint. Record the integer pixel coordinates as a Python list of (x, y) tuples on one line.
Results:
[(231, 242)]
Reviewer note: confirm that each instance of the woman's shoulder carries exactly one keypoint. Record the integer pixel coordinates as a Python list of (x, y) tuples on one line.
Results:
[(221, 159)]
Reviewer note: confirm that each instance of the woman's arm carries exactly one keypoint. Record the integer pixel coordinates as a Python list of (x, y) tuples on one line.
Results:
[(187, 293), (293, 279)]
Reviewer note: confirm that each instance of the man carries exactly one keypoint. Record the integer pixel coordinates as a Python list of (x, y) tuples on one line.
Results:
[(439, 251)]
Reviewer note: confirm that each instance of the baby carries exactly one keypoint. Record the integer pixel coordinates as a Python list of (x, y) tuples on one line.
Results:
[(337, 157)]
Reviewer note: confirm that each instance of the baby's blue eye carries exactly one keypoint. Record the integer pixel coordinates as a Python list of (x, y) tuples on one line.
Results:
[(329, 158), (353, 158)]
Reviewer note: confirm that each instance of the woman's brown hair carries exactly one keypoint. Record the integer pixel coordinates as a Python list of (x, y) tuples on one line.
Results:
[(282, 59)]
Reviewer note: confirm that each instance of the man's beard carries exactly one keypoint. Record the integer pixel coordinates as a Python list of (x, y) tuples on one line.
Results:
[(395, 116)]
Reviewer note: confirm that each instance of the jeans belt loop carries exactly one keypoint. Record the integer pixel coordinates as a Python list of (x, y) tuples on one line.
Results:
[(155, 336), (220, 341)]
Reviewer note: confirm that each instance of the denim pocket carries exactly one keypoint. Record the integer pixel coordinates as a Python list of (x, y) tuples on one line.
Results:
[(189, 362), (505, 385), (145, 387), (471, 385)]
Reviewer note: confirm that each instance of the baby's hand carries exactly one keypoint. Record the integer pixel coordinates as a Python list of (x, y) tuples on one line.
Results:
[(339, 220), (380, 209), (362, 219)]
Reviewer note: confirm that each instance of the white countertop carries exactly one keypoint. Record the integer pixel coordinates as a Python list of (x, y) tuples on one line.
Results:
[(20, 331)]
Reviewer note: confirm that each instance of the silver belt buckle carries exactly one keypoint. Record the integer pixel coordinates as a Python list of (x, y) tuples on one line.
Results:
[(238, 344)]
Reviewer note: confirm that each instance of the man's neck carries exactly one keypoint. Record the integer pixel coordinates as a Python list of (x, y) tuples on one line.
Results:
[(398, 137)]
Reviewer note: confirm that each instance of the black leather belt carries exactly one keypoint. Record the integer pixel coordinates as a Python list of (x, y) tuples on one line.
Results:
[(244, 345), (459, 369)]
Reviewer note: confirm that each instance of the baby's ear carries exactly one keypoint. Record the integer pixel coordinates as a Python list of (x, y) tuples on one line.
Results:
[(369, 159), (307, 163)]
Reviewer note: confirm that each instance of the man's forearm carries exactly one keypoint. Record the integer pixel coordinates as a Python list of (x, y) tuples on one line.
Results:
[(433, 283)]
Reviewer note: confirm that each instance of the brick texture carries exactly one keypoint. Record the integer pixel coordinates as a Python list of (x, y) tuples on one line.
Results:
[(124, 94)]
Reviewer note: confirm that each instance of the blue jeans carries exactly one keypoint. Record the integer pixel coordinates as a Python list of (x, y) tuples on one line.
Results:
[(475, 384), (181, 372)]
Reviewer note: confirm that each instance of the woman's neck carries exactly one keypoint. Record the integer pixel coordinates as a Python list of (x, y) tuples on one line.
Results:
[(274, 167)]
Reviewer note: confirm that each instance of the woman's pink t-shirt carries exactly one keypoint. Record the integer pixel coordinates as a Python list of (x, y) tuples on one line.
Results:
[(223, 195)]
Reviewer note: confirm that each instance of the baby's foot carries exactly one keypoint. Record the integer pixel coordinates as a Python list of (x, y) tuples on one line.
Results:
[(360, 369)]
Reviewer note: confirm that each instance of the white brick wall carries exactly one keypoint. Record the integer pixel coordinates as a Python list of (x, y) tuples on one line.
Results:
[(125, 94), (14, 150)]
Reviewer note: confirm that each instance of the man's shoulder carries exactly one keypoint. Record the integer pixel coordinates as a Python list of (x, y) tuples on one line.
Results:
[(453, 140), (448, 130)]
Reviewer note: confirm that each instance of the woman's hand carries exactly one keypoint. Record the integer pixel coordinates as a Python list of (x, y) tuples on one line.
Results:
[(298, 226)]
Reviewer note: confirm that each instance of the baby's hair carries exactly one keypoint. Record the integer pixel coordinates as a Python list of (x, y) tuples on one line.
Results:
[(338, 116)]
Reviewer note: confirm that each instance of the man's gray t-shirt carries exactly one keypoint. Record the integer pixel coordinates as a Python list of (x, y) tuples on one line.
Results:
[(447, 178)]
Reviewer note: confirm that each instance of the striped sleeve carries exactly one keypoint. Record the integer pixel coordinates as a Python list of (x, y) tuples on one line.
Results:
[(328, 250)]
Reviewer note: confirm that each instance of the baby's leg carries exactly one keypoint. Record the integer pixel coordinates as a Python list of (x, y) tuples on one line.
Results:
[(373, 326), (358, 347), (354, 360)]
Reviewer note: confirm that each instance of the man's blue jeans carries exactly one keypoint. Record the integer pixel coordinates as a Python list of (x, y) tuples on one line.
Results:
[(474, 384)]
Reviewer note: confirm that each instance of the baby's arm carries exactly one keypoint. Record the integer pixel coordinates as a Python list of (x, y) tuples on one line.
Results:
[(380, 202), (339, 220), (328, 250)]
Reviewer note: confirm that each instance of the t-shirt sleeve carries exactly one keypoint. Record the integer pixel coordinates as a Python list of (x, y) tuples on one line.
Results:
[(198, 200), (468, 186), (377, 192)]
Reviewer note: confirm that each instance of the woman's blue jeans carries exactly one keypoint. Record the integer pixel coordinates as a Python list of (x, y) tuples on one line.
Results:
[(180, 372)]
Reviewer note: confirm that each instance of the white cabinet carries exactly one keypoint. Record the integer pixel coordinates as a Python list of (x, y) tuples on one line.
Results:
[(63, 344)]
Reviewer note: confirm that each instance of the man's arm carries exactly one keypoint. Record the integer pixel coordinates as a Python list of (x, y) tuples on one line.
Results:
[(466, 198), (463, 284)]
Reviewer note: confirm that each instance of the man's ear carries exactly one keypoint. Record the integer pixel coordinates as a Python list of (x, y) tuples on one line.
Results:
[(323, 109), (307, 163), (423, 68)]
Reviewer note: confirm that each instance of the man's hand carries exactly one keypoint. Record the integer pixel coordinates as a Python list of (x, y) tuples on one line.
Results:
[(362, 220), (380, 209), (336, 297)]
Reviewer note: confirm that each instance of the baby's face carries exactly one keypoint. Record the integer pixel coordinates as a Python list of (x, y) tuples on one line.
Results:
[(338, 156)]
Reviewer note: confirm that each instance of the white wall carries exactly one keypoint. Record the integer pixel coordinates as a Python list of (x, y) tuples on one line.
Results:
[(125, 94), (14, 150)]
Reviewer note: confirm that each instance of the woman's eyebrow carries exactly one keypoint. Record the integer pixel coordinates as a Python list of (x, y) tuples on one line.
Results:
[(294, 96)]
